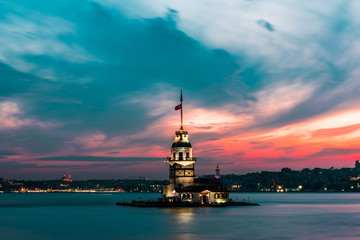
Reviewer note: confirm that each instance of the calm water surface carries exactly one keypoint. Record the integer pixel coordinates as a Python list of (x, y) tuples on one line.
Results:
[(95, 216)]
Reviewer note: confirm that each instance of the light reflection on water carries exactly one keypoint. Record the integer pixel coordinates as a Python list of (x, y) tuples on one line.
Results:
[(181, 216), (95, 216)]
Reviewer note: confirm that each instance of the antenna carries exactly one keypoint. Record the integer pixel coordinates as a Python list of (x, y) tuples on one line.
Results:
[(181, 101)]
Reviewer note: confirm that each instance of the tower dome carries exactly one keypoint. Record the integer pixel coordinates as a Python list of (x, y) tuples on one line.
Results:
[(181, 139)]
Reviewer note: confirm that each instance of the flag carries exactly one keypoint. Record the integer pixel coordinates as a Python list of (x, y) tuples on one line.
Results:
[(178, 107)]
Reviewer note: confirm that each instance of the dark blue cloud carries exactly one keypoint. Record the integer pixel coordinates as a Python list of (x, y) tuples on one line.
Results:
[(14, 82), (265, 24), (122, 57), (99, 159), (326, 152), (7, 153), (131, 54)]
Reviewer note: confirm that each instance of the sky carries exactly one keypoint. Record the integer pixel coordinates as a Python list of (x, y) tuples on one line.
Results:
[(89, 87)]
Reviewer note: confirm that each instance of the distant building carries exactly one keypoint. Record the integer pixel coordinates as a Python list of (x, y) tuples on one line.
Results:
[(217, 172), (183, 183), (357, 165), (66, 179)]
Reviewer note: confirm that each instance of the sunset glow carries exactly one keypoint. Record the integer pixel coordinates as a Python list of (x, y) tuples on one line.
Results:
[(267, 85)]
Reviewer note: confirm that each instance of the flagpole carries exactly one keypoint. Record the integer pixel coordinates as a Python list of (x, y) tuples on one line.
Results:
[(181, 101)]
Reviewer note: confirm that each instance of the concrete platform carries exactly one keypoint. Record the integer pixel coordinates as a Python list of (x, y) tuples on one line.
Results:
[(159, 204)]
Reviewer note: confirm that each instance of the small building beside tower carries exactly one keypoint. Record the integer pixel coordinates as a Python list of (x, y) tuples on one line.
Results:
[(183, 183)]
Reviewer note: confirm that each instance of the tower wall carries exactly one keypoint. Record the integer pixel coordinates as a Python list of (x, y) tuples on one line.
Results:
[(182, 163), (181, 175), (181, 153)]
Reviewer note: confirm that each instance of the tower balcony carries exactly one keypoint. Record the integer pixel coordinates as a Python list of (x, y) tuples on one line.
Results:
[(181, 132), (183, 162)]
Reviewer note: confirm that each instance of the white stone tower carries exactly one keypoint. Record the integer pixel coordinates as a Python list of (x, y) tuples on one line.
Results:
[(181, 161)]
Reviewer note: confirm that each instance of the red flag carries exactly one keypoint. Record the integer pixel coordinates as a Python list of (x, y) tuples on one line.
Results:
[(178, 107)]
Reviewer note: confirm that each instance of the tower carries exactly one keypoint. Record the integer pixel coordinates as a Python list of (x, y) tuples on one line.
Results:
[(182, 162), (217, 172)]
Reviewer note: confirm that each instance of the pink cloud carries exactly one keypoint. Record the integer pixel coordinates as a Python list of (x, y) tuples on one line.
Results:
[(328, 132), (90, 141), (11, 117), (230, 139)]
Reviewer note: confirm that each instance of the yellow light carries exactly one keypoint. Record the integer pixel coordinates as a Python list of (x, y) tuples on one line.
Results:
[(300, 187)]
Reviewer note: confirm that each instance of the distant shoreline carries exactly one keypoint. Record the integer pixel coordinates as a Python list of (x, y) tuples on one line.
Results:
[(116, 192)]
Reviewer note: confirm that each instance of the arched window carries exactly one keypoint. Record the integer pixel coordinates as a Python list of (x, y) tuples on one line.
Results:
[(173, 155), (187, 155), (180, 156)]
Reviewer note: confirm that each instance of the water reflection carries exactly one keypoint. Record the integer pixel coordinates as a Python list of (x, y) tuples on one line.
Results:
[(183, 236), (182, 216)]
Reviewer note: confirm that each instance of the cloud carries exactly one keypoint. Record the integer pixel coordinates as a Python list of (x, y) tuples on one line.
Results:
[(326, 152), (211, 162), (15, 165), (268, 26), (10, 117), (155, 104), (328, 132), (211, 150), (21, 165), (7, 153), (112, 153), (101, 158), (283, 97), (287, 150), (283, 160), (284, 75), (31, 33), (240, 34), (261, 145), (90, 141)]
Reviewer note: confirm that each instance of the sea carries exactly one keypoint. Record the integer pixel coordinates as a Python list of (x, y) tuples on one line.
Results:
[(95, 216)]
